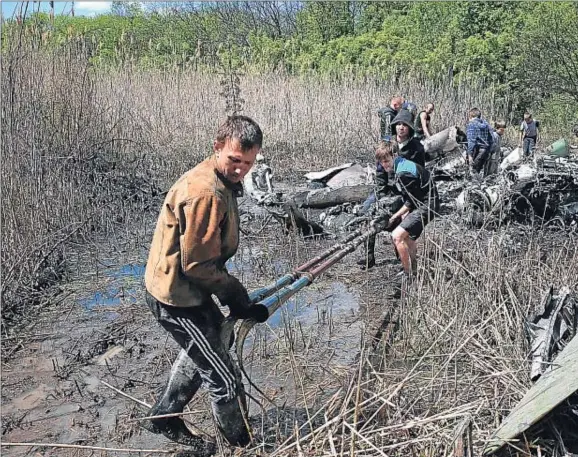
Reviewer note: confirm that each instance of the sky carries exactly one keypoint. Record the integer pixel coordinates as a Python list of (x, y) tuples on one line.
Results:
[(80, 8)]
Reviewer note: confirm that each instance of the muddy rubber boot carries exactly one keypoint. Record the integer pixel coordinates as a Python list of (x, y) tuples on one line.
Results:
[(368, 261), (184, 381), (230, 420)]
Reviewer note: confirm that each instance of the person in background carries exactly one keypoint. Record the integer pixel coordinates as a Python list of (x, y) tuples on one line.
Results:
[(495, 157), (412, 108), (386, 116), (529, 129), (422, 122), (479, 137)]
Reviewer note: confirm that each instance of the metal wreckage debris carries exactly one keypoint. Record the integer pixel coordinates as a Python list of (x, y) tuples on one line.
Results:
[(339, 191), (547, 415), (543, 190), (554, 322)]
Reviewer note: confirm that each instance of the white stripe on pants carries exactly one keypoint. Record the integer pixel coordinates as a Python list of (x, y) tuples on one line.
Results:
[(212, 357)]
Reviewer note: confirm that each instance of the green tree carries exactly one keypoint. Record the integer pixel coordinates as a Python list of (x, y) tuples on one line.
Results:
[(325, 21), (128, 9), (547, 60)]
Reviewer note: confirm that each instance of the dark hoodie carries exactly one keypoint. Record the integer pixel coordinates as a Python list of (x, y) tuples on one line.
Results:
[(412, 149)]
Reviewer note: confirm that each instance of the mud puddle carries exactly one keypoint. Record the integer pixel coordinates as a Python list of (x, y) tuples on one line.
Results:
[(103, 332), (121, 288), (314, 305)]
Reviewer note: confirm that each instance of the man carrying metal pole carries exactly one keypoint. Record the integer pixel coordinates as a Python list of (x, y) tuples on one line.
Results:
[(196, 233)]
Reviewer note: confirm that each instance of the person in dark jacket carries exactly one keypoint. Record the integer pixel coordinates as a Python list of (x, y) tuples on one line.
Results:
[(386, 116), (409, 147), (420, 203)]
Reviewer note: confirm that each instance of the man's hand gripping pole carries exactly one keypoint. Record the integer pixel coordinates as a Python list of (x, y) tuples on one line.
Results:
[(277, 293)]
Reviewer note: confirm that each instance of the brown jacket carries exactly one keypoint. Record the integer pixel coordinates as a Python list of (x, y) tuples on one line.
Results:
[(196, 233)]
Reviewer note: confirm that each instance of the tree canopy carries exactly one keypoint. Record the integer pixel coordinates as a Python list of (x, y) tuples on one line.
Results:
[(525, 47)]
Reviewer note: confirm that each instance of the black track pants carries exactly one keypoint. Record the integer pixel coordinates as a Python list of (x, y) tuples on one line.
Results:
[(198, 331)]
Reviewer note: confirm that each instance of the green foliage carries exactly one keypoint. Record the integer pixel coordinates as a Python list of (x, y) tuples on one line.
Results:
[(528, 49), (130, 9), (325, 21), (559, 111), (548, 50)]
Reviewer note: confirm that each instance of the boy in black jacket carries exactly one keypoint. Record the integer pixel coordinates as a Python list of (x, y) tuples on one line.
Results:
[(421, 203)]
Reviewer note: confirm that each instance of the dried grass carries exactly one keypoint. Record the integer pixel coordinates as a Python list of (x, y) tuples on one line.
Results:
[(87, 153)]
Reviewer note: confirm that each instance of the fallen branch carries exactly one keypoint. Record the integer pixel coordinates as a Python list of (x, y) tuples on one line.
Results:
[(120, 392), (162, 416)]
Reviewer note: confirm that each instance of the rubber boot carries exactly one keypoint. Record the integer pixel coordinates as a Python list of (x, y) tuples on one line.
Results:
[(231, 420), (368, 261), (184, 381)]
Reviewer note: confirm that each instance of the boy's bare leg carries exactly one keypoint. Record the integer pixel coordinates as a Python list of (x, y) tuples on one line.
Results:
[(406, 249)]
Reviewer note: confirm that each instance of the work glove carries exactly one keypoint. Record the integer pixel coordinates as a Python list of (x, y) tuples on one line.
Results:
[(235, 296)]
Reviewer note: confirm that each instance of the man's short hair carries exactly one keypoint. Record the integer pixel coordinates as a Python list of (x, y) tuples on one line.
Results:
[(500, 125), (397, 99), (386, 150), (241, 128), (527, 115), (475, 112)]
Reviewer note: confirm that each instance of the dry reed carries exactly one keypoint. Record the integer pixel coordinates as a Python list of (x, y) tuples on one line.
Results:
[(86, 154)]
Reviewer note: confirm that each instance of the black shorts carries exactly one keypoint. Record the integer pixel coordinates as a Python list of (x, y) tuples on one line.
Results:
[(415, 221)]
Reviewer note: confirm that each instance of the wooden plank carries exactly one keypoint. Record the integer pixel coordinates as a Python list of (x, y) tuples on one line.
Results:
[(549, 391)]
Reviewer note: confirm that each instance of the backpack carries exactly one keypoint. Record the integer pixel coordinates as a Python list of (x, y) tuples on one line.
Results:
[(384, 124)]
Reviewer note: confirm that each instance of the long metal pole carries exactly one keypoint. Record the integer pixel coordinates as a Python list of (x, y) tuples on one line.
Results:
[(262, 293), (274, 301)]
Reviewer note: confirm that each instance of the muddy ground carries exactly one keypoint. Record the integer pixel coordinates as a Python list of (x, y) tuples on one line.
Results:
[(60, 375)]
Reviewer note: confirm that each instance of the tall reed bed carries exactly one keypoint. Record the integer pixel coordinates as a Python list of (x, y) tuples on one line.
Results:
[(87, 152), (456, 352)]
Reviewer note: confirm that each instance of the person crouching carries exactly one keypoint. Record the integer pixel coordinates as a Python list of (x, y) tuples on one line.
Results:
[(421, 203)]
